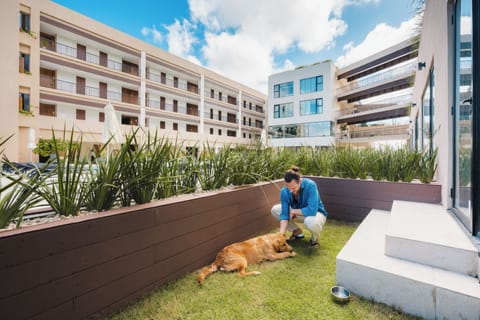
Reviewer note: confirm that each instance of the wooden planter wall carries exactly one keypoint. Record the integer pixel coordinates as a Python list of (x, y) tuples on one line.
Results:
[(74, 268)]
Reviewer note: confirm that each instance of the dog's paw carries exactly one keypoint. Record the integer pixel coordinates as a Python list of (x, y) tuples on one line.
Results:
[(293, 254), (256, 273)]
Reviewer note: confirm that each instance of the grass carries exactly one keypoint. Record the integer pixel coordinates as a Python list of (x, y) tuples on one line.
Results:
[(295, 288)]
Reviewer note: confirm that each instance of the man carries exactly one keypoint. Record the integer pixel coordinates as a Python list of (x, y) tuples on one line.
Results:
[(300, 201)]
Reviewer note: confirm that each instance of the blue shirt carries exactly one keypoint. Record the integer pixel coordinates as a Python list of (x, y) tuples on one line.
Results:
[(308, 200)]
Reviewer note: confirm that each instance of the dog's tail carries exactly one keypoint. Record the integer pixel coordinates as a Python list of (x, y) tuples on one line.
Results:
[(205, 272)]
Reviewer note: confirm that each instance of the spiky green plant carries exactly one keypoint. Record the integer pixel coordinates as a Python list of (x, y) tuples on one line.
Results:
[(19, 195), (104, 182), (428, 166), (67, 190), (214, 171), (143, 164)]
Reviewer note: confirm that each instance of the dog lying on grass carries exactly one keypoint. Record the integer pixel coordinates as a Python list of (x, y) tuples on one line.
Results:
[(239, 255)]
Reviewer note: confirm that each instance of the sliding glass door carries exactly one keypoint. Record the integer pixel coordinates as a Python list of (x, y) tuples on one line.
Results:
[(464, 150)]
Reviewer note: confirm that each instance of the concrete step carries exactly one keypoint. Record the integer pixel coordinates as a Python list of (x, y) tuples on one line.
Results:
[(428, 234), (413, 288)]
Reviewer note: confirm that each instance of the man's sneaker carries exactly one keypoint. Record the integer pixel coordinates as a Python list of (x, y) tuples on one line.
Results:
[(313, 243)]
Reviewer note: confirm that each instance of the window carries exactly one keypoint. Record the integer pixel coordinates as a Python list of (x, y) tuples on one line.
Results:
[(232, 100), (129, 67), (192, 87), (211, 113), (312, 129), (175, 82), (129, 120), (283, 90), (24, 22), (24, 101), (192, 128), (309, 107), (428, 113), (219, 115), (162, 103), (219, 132), (220, 96), (211, 131), (232, 118), (101, 117), (212, 93), (192, 109), (231, 133), (175, 106), (175, 126), (466, 100), (80, 114), (312, 84), (283, 110), (24, 62), (162, 124), (49, 110), (129, 96)]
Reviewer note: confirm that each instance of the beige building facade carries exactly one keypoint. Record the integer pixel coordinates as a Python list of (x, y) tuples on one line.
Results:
[(61, 68)]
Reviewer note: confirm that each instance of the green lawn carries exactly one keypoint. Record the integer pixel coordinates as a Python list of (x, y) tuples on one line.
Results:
[(295, 288)]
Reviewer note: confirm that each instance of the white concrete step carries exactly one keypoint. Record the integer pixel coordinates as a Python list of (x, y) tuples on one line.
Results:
[(416, 289), (428, 234)]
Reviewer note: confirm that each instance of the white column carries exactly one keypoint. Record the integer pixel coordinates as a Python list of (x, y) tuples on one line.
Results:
[(143, 71), (240, 109), (202, 105)]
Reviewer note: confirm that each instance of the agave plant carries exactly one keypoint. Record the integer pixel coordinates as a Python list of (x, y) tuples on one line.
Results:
[(214, 170), (67, 189), (143, 163), (428, 166), (20, 194)]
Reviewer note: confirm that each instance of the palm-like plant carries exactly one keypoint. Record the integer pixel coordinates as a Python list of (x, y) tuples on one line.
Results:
[(67, 190)]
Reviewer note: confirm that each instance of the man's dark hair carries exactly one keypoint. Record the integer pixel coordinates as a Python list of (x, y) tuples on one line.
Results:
[(292, 174)]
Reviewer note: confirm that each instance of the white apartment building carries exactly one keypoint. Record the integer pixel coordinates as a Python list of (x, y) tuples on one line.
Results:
[(301, 106), (60, 68)]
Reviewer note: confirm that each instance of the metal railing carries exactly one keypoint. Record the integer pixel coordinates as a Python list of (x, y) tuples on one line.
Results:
[(390, 102), (406, 69), (372, 132)]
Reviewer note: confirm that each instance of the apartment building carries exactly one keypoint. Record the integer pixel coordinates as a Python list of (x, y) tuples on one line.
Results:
[(302, 106), (374, 97), (61, 68)]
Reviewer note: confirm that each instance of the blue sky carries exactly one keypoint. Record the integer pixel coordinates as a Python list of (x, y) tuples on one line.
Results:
[(247, 40)]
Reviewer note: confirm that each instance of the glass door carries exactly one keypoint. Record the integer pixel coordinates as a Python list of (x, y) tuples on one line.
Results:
[(463, 115)]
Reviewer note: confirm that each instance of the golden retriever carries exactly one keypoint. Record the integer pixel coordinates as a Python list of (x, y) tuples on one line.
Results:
[(238, 255)]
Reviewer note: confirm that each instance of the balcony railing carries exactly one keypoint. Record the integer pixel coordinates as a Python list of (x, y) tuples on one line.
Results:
[(372, 132), (222, 118), (68, 86), (407, 69), (72, 52), (390, 102), (170, 82)]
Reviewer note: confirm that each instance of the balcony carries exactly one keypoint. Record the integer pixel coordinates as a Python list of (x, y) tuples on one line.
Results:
[(172, 82), (384, 109), (373, 133), (66, 50), (71, 87), (391, 80)]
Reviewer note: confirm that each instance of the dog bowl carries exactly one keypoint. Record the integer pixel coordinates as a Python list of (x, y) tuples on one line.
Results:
[(340, 294)]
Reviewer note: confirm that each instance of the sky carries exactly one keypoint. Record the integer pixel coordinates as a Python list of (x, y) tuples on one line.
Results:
[(248, 40)]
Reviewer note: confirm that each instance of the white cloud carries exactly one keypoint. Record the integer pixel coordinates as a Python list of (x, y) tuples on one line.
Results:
[(242, 37), (152, 33), (180, 37), (380, 38)]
